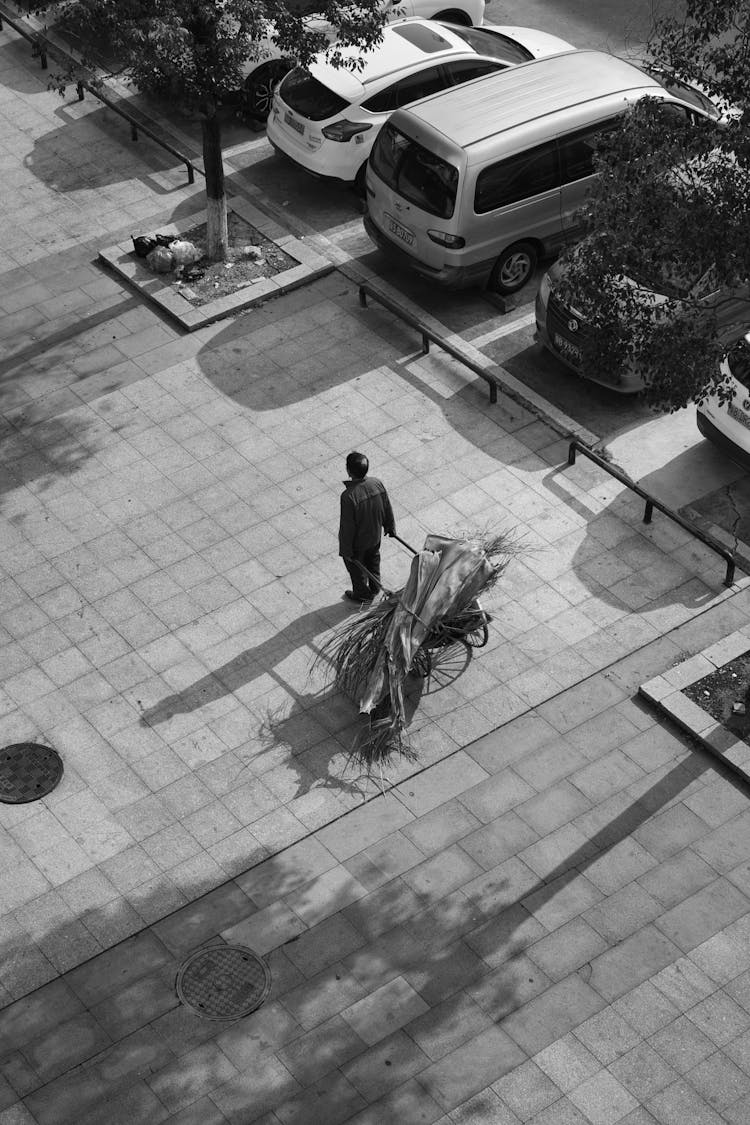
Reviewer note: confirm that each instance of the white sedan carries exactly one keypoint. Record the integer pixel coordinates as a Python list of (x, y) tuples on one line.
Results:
[(725, 420), (264, 73), (326, 119)]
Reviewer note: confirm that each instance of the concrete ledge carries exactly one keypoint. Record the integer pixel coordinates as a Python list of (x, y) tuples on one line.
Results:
[(309, 264), (664, 693)]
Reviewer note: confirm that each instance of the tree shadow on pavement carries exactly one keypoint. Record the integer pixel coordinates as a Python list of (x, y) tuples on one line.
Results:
[(112, 1030), (94, 151), (38, 457)]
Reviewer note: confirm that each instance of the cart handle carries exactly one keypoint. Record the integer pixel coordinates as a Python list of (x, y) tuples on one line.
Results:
[(403, 541)]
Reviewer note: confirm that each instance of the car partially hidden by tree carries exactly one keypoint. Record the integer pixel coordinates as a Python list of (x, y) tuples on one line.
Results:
[(657, 294)]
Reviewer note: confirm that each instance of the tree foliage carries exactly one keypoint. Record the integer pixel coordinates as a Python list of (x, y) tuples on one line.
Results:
[(194, 51), (662, 278)]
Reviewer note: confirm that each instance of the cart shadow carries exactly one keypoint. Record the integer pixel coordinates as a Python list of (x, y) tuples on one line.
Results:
[(333, 762)]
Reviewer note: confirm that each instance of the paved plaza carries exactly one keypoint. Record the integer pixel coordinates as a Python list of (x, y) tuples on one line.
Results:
[(545, 920)]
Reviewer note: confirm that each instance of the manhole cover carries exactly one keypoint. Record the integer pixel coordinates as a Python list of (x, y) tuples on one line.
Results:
[(223, 982), (28, 771)]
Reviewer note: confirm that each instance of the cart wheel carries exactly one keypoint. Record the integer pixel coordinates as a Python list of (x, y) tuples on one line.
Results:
[(478, 637), (472, 624), (446, 664)]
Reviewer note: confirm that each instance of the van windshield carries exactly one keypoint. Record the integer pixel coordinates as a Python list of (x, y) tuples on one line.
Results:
[(414, 172)]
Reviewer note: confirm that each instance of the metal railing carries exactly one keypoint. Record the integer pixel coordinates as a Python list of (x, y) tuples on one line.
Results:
[(42, 49), (368, 290), (651, 502)]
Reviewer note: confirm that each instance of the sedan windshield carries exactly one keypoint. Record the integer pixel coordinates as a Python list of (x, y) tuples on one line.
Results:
[(310, 98)]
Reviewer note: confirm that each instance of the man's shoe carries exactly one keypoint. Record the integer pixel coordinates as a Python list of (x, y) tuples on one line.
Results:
[(353, 597)]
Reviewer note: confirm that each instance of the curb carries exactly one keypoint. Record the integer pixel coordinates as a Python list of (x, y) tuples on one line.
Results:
[(665, 692)]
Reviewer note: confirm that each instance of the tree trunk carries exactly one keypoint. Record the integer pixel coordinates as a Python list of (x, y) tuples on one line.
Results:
[(216, 200)]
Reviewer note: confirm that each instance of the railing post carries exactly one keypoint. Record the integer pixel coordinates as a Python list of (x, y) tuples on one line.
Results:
[(362, 297), (729, 577), (190, 172), (493, 391), (572, 453), (425, 344), (648, 512)]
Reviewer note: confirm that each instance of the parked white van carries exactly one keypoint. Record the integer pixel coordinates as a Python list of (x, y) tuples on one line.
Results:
[(471, 186)]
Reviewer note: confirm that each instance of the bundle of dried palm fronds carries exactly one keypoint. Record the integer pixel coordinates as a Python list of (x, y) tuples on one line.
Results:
[(372, 654)]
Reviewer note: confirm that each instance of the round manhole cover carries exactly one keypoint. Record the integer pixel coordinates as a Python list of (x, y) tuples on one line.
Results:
[(28, 771), (223, 982)]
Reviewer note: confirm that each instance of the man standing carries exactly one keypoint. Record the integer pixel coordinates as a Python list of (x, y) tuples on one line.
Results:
[(365, 512)]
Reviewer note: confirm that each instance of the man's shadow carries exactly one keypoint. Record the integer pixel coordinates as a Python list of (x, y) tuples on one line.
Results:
[(247, 666)]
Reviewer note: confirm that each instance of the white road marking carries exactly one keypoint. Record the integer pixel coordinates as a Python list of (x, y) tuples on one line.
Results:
[(503, 330)]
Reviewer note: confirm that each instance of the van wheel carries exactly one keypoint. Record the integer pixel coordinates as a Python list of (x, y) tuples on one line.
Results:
[(513, 268), (459, 18)]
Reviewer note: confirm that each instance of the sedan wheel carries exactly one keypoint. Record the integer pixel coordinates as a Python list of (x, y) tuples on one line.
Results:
[(513, 268), (260, 85)]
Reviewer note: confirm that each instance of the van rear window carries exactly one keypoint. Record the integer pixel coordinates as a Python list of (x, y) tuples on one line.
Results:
[(414, 172)]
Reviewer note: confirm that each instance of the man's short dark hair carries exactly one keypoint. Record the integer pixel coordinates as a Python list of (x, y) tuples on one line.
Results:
[(357, 466)]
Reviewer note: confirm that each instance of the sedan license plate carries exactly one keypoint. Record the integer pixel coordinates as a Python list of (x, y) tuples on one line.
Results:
[(296, 125), (570, 351), (402, 232), (738, 415)]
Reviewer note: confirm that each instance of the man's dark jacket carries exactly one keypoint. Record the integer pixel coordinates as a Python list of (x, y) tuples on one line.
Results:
[(365, 512)]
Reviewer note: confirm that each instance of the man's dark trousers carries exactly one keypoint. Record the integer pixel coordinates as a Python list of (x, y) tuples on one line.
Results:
[(365, 585)]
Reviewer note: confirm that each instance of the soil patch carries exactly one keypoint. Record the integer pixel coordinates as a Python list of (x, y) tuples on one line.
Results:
[(251, 257), (721, 691)]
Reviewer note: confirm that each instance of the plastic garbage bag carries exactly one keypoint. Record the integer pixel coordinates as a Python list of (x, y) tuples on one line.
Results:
[(185, 253), (160, 260)]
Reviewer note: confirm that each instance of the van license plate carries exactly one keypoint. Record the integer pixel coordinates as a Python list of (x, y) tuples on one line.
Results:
[(738, 415), (296, 125), (400, 231), (570, 351)]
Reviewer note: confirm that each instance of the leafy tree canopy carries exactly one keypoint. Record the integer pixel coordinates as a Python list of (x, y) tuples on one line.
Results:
[(194, 50), (663, 277)]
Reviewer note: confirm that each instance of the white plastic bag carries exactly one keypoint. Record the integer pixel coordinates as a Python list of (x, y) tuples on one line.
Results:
[(185, 253)]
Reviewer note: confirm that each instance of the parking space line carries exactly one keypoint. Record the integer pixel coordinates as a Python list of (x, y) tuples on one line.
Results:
[(504, 330)]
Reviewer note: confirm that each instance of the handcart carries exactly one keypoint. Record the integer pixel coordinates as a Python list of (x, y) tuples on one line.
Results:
[(427, 629), (467, 627)]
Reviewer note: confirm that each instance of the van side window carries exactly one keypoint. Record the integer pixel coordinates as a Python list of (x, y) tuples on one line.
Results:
[(519, 177), (577, 150)]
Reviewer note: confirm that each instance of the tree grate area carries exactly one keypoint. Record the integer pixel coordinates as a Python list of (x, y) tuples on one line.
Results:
[(28, 771), (725, 695), (223, 982)]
